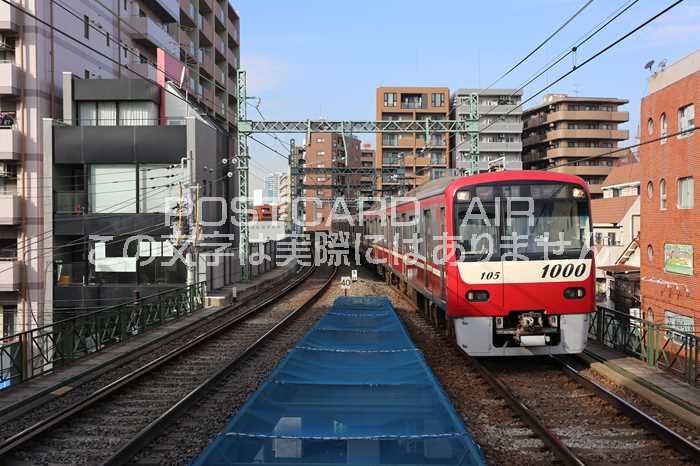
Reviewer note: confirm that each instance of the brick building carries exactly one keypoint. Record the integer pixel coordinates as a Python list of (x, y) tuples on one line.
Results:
[(326, 150), (670, 285)]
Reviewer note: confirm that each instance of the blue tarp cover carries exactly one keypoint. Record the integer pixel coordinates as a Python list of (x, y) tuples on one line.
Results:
[(355, 390)]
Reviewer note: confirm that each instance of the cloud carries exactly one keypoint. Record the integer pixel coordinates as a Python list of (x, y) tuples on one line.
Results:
[(266, 74)]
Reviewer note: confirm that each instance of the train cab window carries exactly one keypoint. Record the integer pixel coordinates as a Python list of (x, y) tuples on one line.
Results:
[(531, 220)]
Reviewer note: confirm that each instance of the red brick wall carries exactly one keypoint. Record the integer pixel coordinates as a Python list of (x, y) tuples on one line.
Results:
[(677, 158)]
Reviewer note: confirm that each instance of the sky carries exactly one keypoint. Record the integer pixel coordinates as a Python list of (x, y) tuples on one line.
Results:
[(309, 59)]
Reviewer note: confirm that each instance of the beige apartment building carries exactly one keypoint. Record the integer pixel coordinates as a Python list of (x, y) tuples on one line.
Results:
[(563, 132), (415, 159), (127, 38)]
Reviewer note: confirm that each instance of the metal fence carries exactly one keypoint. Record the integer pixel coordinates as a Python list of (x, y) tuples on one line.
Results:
[(34, 352), (656, 344)]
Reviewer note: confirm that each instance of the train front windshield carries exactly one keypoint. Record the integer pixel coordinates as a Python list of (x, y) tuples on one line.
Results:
[(522, 221)]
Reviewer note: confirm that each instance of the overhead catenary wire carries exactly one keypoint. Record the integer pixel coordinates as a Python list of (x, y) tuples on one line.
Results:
[(541, 44), (568, 51), (591, 58)]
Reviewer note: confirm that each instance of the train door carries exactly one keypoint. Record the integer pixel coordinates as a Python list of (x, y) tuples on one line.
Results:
[(427, 248), (443, 265)]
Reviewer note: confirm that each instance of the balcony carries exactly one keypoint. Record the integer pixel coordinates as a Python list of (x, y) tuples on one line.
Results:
[(233, 32), (9, 209), (9, 78), (9, 274), (10, 19), (614, 134), (412, 103), (500, 146), (220, 77), (206, 62), (220, 48), (231, 86), (616, 117), (206, 30), (219, 18), (167, 10), (151, 35), (501, 127), (535, 138), (189, 17), (495, 109), (577, 151), (9, 143)]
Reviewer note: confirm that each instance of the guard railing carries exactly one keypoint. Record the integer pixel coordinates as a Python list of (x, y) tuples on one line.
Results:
[(37, 351), (656, 344)]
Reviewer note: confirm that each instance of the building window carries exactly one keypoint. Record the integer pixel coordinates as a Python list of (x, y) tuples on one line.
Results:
[(650, 254), (650, 189), (390, 99), (438, 99), (686, 192), (159, 188), (662, 194), (611, 239), (8, 314), (663, 123), (87, 74), (650, 126), (112, 188), (86, 26), (686, 120)]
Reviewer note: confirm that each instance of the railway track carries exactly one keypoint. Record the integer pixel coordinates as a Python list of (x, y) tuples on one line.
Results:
[(545, 410), (21, 415), (113, 423), (580, 420)]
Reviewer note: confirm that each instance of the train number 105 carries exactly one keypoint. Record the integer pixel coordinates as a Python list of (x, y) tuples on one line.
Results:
[(566, 271)]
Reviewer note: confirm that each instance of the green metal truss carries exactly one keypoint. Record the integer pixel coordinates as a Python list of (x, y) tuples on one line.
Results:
[(247, 127)]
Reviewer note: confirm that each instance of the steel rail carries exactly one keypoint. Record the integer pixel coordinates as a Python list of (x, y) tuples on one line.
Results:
[(159, 425), (550, 438), (673, 438), (32, 432)]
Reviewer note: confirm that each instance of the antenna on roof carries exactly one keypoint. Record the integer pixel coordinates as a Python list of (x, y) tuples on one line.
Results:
[(662, 65), (649, 64)]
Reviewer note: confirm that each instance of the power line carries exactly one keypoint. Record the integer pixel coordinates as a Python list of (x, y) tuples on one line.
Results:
[(570, 50), (542, 44), (268, 147), (591, 58)]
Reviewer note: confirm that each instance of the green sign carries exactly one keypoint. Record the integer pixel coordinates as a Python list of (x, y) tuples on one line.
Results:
[(678, 258)]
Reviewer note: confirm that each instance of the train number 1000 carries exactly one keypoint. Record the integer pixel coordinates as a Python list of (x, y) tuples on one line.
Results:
[(568, 270)]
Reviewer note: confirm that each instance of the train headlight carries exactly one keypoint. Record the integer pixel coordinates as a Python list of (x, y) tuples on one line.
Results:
[(478, 296), (553, 320), (574, 293), (464, 195), (578, 193)]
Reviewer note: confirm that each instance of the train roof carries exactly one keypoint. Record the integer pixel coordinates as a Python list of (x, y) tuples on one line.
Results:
[(439, 186)]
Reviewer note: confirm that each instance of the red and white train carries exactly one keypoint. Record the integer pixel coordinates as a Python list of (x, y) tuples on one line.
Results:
[(452, 250)]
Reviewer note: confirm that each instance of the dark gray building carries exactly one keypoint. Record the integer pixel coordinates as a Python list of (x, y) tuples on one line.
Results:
[(500, 126), (116, 186)]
